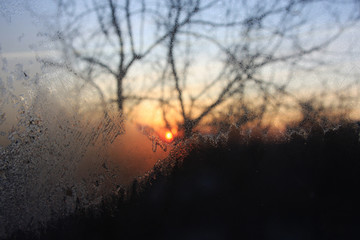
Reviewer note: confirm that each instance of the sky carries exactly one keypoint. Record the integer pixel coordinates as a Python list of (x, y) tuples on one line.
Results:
[(62, 143), (20, 43)]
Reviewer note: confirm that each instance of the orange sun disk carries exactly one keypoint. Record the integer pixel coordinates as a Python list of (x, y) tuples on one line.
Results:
[(169, 136)]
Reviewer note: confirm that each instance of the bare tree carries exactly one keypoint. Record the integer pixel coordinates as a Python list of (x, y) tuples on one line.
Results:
[(248, 40), (107, 38), (99, 38), (199, 57)]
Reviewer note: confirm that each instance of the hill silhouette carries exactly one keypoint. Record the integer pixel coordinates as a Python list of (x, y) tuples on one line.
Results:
[(239, 187)]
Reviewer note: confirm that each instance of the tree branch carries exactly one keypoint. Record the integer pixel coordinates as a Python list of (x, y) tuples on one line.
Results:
[(117, 28), (172, 61), (218, 101), (129, 27)]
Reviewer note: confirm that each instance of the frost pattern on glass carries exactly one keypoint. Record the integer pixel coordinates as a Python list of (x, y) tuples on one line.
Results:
[(53, 159), (156, 141)]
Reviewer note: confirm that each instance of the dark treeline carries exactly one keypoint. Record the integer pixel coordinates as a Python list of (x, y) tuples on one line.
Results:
[(239, 188)]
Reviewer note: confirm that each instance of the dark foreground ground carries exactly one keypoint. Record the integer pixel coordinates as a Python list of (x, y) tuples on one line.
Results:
[(241, 189)]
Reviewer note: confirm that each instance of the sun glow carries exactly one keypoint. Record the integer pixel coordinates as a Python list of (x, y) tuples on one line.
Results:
[(169, 136)]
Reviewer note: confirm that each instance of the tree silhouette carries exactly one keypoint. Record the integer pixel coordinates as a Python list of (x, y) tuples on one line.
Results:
[(252, 38), (108, 38), (197, 55)]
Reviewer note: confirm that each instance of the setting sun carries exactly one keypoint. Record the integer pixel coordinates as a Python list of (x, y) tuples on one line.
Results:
[(169, 135)]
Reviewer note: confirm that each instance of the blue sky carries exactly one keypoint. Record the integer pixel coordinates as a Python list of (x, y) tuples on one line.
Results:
[(19, 32)]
